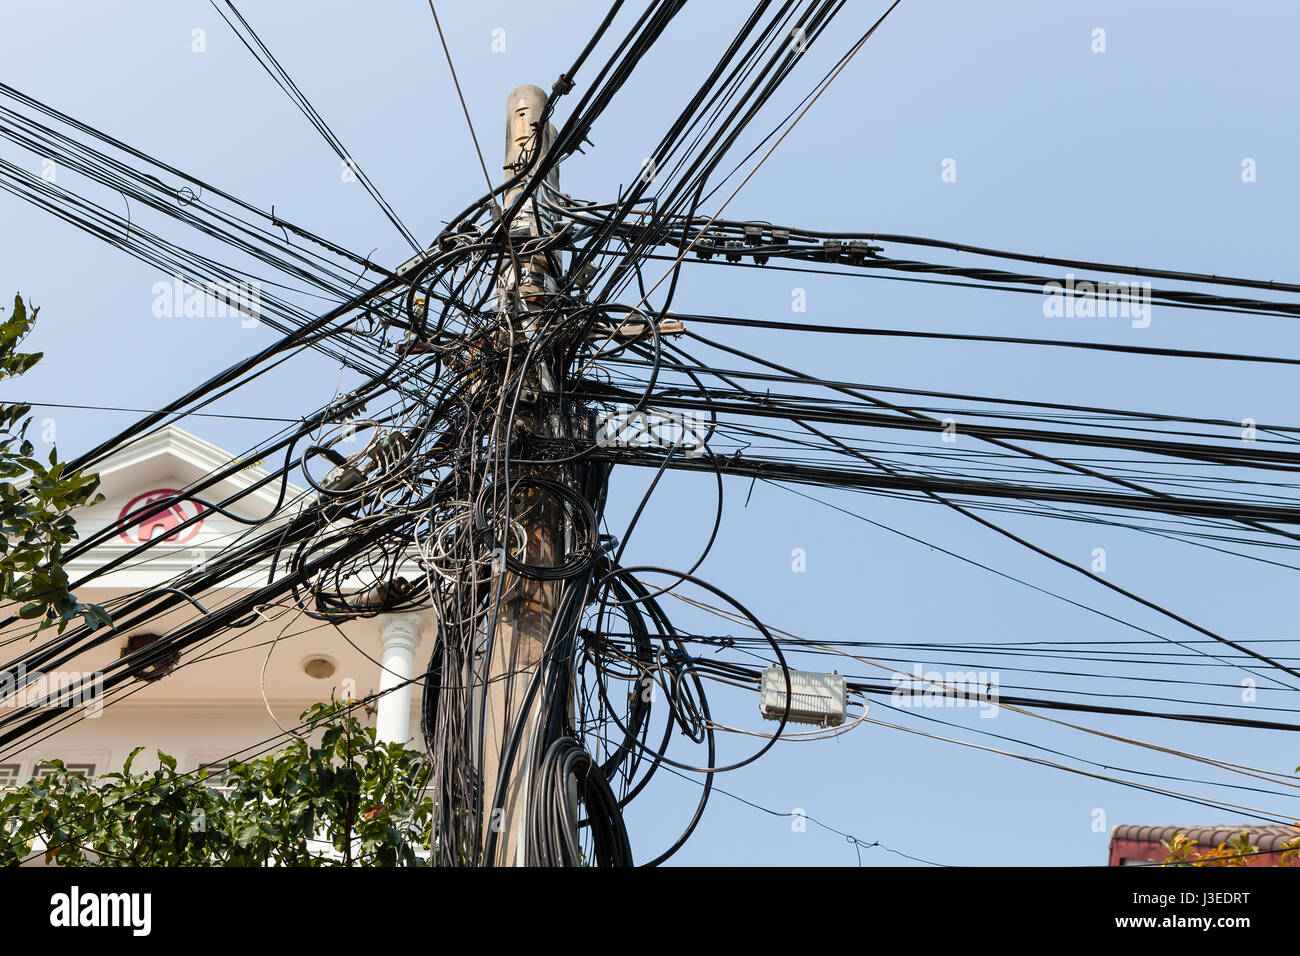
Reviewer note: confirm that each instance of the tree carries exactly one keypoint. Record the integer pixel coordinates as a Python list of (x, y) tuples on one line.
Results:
[(36, 501), (347, 800)]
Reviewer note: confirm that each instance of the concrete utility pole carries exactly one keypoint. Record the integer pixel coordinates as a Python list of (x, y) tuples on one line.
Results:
[(528, 611)]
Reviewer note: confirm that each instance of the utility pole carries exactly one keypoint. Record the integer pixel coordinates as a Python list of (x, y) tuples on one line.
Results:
[(527, 612)]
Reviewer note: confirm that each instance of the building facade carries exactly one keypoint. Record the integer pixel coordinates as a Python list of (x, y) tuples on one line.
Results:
[(237, 689)]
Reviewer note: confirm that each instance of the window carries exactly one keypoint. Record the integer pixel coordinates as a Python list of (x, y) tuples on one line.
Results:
[(86, 770), (212, 767), (10, 775), (216, 776)]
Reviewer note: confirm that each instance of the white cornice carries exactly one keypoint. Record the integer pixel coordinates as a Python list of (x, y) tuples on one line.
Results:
[(185, 448)]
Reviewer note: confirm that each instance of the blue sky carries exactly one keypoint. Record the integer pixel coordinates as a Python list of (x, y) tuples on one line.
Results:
[(1133, 155)]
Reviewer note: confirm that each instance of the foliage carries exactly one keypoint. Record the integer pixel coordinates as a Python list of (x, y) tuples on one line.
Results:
[(1182, 851), (36, 500), (347, 800)]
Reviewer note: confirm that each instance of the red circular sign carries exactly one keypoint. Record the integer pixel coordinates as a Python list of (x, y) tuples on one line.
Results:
[(161, 523)]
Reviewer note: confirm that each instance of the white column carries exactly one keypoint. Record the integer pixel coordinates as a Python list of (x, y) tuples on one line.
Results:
[(399, 636)]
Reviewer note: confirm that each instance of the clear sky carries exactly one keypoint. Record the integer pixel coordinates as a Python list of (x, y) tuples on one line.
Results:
[(1131, 155)]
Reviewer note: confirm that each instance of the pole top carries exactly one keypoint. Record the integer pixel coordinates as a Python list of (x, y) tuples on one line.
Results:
[(526, 97)]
